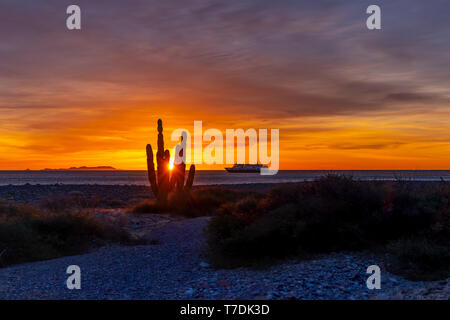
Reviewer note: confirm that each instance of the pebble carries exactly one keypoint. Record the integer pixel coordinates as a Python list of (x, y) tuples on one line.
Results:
[(189, 292)]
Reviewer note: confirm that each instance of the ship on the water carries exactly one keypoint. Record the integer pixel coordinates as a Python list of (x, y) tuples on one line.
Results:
[(246, 168)]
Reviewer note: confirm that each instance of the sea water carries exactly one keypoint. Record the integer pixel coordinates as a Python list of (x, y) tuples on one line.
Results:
[(135, 177)]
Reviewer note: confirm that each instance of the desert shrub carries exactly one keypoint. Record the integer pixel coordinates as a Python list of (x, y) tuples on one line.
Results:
[(328, 214), (71, 201), (27, 234), (419, 258), (242, 242), (210, 197), (148, 207), (416, 207), (332, 213), (281, 194), (203, 201)]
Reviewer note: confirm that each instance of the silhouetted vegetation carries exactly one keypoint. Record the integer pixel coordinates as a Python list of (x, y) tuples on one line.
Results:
[(419, 258), (68, 202), (409, 220), (203, 201), (28, 234)]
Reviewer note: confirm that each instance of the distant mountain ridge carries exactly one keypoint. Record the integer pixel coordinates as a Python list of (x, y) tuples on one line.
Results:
[(82, 168)]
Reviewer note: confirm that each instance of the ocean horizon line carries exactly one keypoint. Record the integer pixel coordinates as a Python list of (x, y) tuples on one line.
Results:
[(206, 177), (220, 170)]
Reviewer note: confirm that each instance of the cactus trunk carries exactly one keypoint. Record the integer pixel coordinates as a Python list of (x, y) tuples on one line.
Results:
[(162, 181)]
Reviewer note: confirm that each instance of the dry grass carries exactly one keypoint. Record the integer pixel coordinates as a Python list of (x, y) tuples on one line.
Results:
[(28, 234), (204, 201)]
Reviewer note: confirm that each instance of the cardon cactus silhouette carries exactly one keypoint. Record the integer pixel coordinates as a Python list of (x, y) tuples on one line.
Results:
[(165, 180)]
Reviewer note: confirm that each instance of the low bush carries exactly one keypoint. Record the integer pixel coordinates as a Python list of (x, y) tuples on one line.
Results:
[(149, 207), (419, 258), (203, 201), (71, 201), (27, 234)]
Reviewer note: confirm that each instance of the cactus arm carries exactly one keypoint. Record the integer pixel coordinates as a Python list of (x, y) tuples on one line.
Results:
[(176, 176), (181, 170), (190, 179), (151, 171), (181, 177), (160, 137), (164, 177), (160, 156)]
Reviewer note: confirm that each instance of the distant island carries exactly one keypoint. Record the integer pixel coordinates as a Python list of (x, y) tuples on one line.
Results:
[(82, 168)]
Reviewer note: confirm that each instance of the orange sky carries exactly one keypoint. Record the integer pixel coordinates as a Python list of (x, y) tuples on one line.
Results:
[(342, 97), (345, 142)]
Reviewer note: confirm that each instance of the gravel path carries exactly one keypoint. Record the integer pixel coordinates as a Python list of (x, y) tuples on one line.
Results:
[(175, 269)]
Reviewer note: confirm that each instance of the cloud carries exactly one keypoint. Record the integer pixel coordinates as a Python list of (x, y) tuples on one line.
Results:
[(293, 57), (367, 146)]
